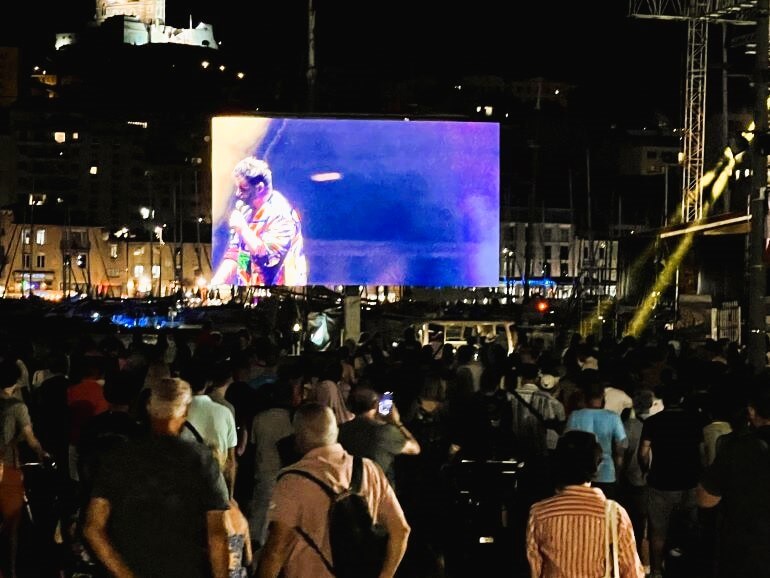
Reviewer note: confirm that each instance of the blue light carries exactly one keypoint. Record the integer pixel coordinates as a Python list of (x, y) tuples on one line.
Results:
[(532, 282)]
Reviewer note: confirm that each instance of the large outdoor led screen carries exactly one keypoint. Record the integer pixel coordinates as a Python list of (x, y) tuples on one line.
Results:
[(354, 202)]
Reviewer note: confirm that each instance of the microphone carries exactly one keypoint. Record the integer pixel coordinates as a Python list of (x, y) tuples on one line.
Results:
[(234, 237), (246, 211)]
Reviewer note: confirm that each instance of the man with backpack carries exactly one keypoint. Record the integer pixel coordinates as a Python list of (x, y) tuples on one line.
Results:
[(317, 506)]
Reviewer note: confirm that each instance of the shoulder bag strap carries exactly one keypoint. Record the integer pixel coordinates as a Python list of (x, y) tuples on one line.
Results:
[(529, 406), (194, 431), (611, 543), (615, 540)]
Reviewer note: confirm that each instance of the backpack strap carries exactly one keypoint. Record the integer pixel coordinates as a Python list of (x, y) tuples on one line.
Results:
[(329, 492), (355, 487), (315, 547), (325, 487), (355, 479)]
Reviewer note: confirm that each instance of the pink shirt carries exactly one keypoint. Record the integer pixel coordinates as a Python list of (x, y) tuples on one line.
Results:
[(299, 502), (566, 537)]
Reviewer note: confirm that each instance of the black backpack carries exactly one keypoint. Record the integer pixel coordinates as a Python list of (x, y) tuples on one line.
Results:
[(358, 544)]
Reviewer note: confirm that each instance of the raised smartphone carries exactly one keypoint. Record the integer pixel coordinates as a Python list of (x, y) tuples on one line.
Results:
[(386, 403)]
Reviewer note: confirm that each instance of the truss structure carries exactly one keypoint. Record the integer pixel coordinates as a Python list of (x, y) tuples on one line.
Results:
[(698, 14)]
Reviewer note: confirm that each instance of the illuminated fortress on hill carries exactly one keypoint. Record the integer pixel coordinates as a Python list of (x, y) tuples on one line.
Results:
[(144, 22)]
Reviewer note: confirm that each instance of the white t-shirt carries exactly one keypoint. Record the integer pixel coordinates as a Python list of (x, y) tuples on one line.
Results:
[(617, 400), (214, 422)]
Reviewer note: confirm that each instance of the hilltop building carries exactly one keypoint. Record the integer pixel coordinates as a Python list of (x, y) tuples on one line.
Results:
[(141, 22)]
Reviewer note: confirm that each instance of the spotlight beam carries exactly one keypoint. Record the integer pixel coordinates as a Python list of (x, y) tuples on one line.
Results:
[(720, 180)]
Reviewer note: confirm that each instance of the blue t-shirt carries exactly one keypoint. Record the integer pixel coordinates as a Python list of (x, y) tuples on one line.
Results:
[(608, 428)]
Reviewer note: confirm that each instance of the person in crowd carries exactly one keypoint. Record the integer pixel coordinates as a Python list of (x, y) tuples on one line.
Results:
[(300, 504), (482, 429), (15, 429), (567, 533), (670, 454), (269, 426), (632, 481), (328, 390), (214, 423), (100, 435), (737, 482), (534, 410), (85, 399), (615, 398), (427, 419), (374, 435), (107, 430), (51, 413), (221, 378), (266, 245), (723, 410), (11, 349), (467, 372), (606, 425), (158, 503)]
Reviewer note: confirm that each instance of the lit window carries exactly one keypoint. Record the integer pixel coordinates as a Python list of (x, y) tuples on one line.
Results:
[(93, 170), (25, 234), (40, 237), (156, 271), (138, 270), (40, 261), (114, 251), (75, 136), (60, 137)]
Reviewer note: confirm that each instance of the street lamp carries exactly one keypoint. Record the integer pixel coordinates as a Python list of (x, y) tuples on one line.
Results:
[(34, 199), (507, 269), (124, 233), (148, 213)]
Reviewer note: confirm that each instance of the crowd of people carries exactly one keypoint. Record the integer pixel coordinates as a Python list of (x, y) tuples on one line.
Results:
[(651, 456)]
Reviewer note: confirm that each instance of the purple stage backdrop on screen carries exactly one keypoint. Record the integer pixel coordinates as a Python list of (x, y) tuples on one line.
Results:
[(355, 201)]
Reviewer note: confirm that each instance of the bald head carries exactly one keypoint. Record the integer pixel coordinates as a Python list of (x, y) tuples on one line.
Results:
[(314, 426), (169, 398)]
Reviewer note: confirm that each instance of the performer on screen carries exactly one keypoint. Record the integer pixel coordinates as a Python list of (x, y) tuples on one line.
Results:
[(265, 245)]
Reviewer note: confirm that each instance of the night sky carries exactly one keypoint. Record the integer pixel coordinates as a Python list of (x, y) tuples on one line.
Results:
[(628, 66)]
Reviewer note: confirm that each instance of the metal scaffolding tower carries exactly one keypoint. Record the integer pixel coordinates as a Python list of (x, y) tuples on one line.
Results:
[(698, 14)]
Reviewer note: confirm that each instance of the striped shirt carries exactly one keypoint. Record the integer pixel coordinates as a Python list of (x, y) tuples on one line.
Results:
[(566, 537)]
